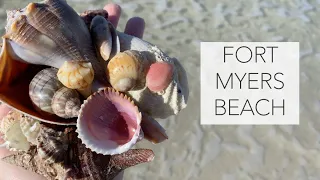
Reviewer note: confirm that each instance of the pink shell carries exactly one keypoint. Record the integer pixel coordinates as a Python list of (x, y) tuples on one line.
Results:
[(159, 76), (109, 122)]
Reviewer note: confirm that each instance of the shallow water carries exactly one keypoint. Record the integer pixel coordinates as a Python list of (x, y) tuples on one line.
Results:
[(196, 152)]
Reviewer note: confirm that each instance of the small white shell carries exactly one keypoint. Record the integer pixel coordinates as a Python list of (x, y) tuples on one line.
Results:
[(30, 128), (13, 136)]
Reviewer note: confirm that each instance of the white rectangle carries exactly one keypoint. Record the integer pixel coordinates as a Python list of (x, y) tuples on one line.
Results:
[(245, 82)]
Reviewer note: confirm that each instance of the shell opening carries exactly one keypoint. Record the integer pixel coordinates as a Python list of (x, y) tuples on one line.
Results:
[(109, 123)]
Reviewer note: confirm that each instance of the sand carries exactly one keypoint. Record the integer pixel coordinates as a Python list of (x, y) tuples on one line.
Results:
[(196, 152)]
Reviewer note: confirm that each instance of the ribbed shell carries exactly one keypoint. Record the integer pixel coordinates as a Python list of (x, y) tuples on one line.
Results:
[(43, 87), (52, 145), (66, 103)]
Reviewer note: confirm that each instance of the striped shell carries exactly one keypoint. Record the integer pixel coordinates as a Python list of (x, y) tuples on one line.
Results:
[(52, 144)]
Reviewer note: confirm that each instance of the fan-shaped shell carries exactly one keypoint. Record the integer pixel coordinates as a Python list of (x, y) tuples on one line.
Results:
[(109, 122), (52, 144), (30, 128)]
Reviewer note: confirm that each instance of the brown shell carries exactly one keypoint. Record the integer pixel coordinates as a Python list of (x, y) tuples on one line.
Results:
[(52, 144), (80, 162)]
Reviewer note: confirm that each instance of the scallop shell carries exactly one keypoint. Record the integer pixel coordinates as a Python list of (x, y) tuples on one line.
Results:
[(52, 144), (30, 128), (13, 135), (104, 37), (127, 70), (66, 103), (109, 122)]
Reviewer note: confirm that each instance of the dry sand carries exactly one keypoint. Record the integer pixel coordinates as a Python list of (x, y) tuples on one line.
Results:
[(196, 152)]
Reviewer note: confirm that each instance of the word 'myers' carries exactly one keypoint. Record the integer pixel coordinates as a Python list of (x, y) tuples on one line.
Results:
[(258, 54)]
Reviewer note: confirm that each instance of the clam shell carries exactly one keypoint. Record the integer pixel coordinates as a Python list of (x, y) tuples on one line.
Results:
[(66, 103), (109, 122), (30, 128), (13, 135), (52, 144), (127, 70)]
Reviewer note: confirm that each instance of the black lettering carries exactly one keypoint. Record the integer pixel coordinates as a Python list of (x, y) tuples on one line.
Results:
[(258, 110), (221, 106), (224, 50), (280, 107), (250, 80), (272, 51), (264, 50), (238, 57), (240, 80), (250, 108), (266, 80), (275, 77), (232, 106), (229, 79)]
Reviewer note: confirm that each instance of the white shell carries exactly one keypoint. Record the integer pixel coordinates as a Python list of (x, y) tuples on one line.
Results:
[(30, 128)]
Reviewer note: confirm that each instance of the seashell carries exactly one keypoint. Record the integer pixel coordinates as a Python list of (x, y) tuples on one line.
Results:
[(152, 130), (104, 37), (30, 128), (77, 75), (13, 135), (126, 70), (159, 76), (31, 43), (169, 101), (66, 103), (43, 87), (80, 162), (52, 144), (109, 122)]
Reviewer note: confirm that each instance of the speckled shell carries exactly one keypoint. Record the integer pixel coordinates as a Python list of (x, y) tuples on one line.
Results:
[(30, 128), (52, 144), (66, 103), (43, 87)]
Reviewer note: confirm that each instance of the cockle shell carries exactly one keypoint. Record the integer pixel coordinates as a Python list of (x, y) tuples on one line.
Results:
[(109, 122), (13, 135), (52, 144), (127, 70), (30, 128)]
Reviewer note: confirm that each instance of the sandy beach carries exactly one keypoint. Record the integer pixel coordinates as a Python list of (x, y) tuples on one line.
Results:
[(195, 152)]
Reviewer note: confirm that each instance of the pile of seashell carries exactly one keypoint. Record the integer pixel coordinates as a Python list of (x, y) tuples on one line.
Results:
[(83, 93)]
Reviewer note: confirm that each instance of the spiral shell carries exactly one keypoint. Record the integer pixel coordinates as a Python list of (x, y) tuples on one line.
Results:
[(30, 128), (126, 70), (66, 103), (43, 87), (52, 144)]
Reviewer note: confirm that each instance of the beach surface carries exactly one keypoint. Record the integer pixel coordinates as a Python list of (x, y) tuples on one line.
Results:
[(195, 152)]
